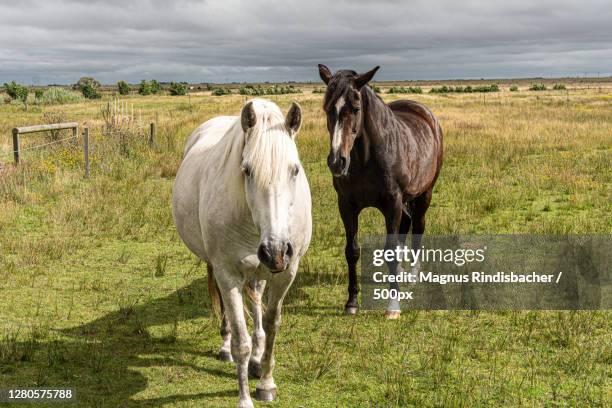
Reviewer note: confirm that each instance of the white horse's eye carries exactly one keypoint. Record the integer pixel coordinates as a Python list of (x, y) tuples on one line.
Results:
[(295, 170)]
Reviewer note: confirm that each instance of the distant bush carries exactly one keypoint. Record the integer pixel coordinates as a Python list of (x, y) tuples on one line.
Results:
[(38, 94), (559, 87), (537, 87), (177, 88), (17, 92), (466, 89), (86, 80), (318, 90), (405, 90), (123, 88), (90, 92), (272, 90), (155, 87), (89, 87), (144, 88), (221, 91), (513, 88), (375, 88), (57, 95)]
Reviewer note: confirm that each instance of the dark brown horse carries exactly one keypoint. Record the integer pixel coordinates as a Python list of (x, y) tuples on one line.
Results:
[(382, 156)]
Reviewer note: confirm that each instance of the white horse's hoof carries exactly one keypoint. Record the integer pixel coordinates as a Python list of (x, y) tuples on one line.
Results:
[(265, 395), (226, 356), (351, 310), (254, 369), (392, 314)]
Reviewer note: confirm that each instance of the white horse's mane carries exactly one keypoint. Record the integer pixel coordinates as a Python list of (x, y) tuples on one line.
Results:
[(268, 149)]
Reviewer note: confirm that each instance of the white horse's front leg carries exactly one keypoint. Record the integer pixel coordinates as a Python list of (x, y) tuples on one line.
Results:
[(278, 287), (256, 289), (241, 344)]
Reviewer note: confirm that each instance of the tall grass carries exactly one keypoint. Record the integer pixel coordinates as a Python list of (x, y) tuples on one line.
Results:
[(57, 96)]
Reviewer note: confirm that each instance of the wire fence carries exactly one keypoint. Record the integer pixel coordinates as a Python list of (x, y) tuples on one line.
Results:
[(100, 130)]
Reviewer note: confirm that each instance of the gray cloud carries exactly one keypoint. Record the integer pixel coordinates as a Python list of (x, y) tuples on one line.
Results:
[(236, 40)]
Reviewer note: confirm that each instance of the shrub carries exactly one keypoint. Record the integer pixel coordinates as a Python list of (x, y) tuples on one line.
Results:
[(38, 94), (57, 95), (375, 88), (248, 90), (86, 80), (513, 88), (16, 91), (318, 90), (272, 90), (407, 90), (89, 87), (90, 92), (223, 91), (537, 87), (155, 87), (144, 88), (467, 89), (177, 88), (123, 88), (559, 87)]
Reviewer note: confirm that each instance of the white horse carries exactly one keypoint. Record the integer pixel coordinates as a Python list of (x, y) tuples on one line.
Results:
[(241, 203)]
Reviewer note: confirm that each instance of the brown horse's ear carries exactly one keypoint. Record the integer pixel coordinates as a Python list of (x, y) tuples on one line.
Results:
[(247, 116), (293, 121), (362, 79), (325, 73)]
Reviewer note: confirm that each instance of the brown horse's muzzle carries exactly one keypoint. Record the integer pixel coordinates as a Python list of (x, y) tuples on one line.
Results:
[(275, 255), (338, 164)]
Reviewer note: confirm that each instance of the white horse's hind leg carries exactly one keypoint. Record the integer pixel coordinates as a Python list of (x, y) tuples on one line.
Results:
[(240, 343), (278, 287), (256, 290)]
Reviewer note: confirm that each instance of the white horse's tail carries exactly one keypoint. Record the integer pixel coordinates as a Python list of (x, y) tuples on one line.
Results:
[(213, 291)]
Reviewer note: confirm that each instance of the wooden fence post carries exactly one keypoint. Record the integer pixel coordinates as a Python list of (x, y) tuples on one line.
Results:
[(86, 150), (152, 135), (16, 145)]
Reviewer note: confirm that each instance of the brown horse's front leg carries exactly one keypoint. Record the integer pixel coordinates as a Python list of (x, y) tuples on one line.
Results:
[(350, 218), (393, 217)]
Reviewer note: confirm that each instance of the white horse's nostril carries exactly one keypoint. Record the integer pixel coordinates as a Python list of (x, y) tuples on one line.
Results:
[(289, 250)]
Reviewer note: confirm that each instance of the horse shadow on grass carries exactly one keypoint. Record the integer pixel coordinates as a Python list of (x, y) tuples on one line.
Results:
[(103, 359)]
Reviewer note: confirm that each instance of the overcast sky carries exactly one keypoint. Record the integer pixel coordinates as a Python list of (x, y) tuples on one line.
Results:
[(57, 41)]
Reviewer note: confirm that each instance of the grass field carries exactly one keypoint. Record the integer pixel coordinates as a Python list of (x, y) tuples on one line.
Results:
[(99, 294)]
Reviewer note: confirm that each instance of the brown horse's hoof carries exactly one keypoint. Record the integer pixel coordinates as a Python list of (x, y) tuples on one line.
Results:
[(351, 310), (225, 355), (254, 369), (392, 314), (265, 395)]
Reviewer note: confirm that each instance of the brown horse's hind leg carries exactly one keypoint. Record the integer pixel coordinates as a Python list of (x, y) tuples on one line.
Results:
[(418, 208)]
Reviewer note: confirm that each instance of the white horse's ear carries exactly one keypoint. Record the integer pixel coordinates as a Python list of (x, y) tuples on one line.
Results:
[(293, 121), (248, 117)]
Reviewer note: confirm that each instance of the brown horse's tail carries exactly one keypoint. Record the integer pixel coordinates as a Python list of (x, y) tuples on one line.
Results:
[(213, 291)]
